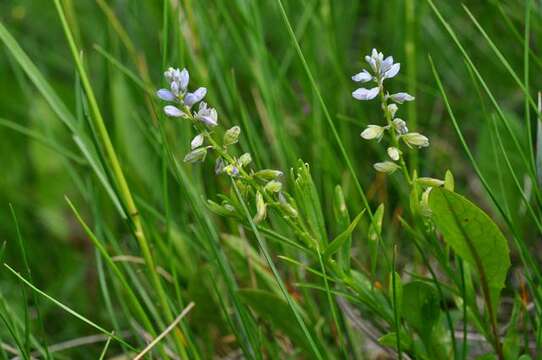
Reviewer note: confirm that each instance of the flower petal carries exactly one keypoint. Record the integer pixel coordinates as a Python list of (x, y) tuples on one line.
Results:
[(386, 167), (401, 97), (366, 94), (372, 132), (362, 77), (192, 98), (387, 64), (183, 79), (394, 70), (197, 141), (165, 95), (173, 111)]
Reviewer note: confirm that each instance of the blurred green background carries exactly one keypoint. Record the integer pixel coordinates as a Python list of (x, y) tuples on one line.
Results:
[(240, 50)]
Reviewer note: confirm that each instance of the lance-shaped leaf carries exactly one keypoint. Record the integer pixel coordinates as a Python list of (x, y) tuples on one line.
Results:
[(336, 244), (472, 235)]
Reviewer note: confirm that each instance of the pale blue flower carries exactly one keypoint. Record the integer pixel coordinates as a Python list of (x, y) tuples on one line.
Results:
[(192, 98), (366, 94), (173, 111), (166, 95), (401, 97), (382, 68), (207, 115), (362, 77)]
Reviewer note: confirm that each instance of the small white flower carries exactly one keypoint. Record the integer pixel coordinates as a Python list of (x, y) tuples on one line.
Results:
[(183, 79), (386, 64), (165, 95), (401, 97), (366, 94), (392, 109), (394, 153), (362, 77), (400, 126), (372, 63), (393, 70), (386, 167), (415, 139), (207, 115), (373, 132), (196, 155), (197, 141), (173, 111), (192, 98)]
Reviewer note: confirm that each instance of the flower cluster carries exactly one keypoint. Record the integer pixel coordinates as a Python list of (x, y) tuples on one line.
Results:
[(380, 69), (263, 185)]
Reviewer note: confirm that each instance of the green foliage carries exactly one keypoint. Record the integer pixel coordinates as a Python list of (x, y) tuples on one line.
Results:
[(330, 262), (472, 235)]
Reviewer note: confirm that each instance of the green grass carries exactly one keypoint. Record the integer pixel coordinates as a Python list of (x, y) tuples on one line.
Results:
[(109, 235)]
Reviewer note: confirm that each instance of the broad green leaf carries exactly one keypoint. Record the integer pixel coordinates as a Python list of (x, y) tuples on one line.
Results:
[(343, 237), (275, 310), (420, 306), (472, 235)]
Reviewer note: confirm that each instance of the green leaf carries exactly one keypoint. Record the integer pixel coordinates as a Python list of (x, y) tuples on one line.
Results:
[(420, 306), (398, 291), (275, 310), (472, 235), (342, 218), (306, 197), (390, 340), (336, 244)]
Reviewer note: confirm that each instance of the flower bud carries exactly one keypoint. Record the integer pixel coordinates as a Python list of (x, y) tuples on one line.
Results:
[(286, 206), (392, 109), (231, 170), (386, 167), (268, 174), (394, 153), (273, 186), (245, 159), (373, 132), (401, 97), (261, 208), (195, 155), (425, 210), (400, 126), (232, 135), (427, 181), (197, 141), (415, 139)]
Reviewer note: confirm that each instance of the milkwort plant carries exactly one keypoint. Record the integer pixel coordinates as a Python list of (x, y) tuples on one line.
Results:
[(438, 214), (415, 305)]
